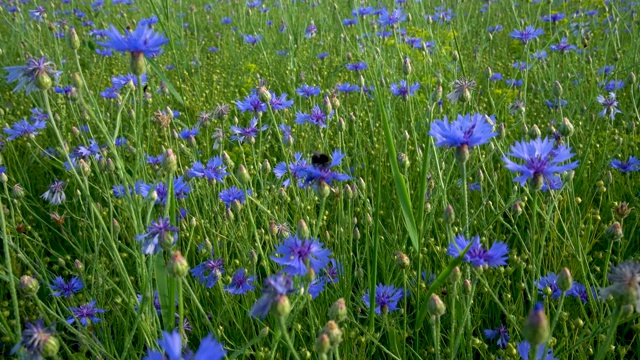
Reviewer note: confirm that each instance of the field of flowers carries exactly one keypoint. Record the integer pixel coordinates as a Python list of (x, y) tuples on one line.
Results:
[(306, 179)]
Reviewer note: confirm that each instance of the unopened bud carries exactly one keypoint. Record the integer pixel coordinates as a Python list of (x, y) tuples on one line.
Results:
[(324, 190), (282, 306), (338, 311), (322, 345), (534, 132), (565, 280), (435, 306), (74, 40), (138, 65), (449, 215), (302, 230), (29, 285), (557, 89), (170, 161), (326, 105), (226, 159), (43, 81), (402, 260), (178, 266), (406, 66), (50, 346), (333, 331), (243, 175), (614, 232), (536, 326)]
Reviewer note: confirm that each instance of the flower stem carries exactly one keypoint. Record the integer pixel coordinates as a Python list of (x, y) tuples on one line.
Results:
[(465, 195), (611, 333), (287, 339), (12, 281), (435, 323)]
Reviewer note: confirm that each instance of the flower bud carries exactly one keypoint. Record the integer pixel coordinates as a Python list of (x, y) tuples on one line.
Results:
[(403, 161), (263, 94), (338, 311), (266, 166), (333, 331), (557, 89), (29, 285), (402, 260), (43, 81), (536, 326), (282, 306), (614, 232), (324, 190), (170, 161), (566, 127), (534, 132), (565, 280), (449, 215), (78, 266), (50, 346), (138, 65), (322, 345), (622, 210), (303, 230), (17, 191), (74, 40), (226, 159), (178, 266), (326, 105), (406, 66), (462, 153), (243, 175), (435, 306)]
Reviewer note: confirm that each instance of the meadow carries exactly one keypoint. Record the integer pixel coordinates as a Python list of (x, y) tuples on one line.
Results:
[(319, 179)]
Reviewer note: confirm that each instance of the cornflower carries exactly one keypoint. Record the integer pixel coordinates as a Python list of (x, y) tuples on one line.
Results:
[(295, 253), (249, 133), (24, 128), (631, 165), (159, 234), (464, 133), (609, 106), (526, 35), (55, 195), (66, 289), (386, 298), (36, 74), (477, 255), (214, 171), (215, 269), (275, 287), (85, 314)]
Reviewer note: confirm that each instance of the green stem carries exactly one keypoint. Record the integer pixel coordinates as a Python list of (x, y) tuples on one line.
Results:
[(12, 281), (611, 333), (555, 318), (287, 339), (436, 335), (465, 196)]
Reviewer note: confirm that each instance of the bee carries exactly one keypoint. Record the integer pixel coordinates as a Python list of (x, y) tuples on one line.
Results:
[(320, 160)]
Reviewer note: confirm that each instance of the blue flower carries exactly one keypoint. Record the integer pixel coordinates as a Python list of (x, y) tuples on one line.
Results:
[(157, 235), (347, 88), (26, 75), (66, 289), (240, 283), (287, 137), (631, 165), (180, 189), (233, 195), (542, 161), (38, 13), (34, 337), (85, 314), (316, 117), (563, 46), (249, 133), (580, 291), (189, 134), (501, 334), (215, 269), (295, 253), (252, 39), (609, 104), (391, 19), (467, 130), (171, 344), (308, 91), (551, 281), (143, 40), (554, 18), (275, 286), (359, 66), (24, 128), (387, 297), (613, 85), (477, 255), (121, 81), (526, 35), (403, 90), (296, 168), (280, 102), (524, 349), (214, 171), (55, 195), (311, 30), (317, 174), (252, 104)]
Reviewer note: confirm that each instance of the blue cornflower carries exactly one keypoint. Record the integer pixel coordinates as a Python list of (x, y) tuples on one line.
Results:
[(513, 83), (403, 90), (526, 35), (391, 19), (295, 253), (612, 85), (297, 168), (316, 287), (34, 337), (171, 344), (233, 195), (631, 165), (251, 103), (496, 77), (466, 132), (287, 137), (26, 75), (240, 283), (580, 291), (555, 104), (477, 255), (226, 20), (84, 152), (121, 81), (349, 21), (323, 55), (606, 70), (280, 102), (540, 55), (155, 160), (252, 39), (55, 195), (316, 117), (359, 66), (109, 93), (24, 128), (66, 289), (524, 349), (308, 90), (249, 133), (563, 46), (311, 30), (494, 29), (143, 40), (610, 106), (215, 267), (189, 134), (214, 171), (551, 281), (68, 91), (386, 299), (38, 13), (275, 286), (521, 65), (347, 88), (85, 314), (501, 333), (120, 141), (542, 162), (180, 189), (553, 18), (157, 235), (322, 173), (254, 3)]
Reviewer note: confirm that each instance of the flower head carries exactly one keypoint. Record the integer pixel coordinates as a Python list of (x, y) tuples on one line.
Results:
[(248, 133), (625, 284), (275, 286), (34, 338), (322, 173), (214, 171), (66, 289), (386, 299), (631, 165), (501, 335), (24, 128), (158, 234), (251, 103), (215, 268), (85, 314), (524, 349), (55, 195), (171, 345), (403, 90), (296, 254), (526, 35), (316, 117), (232, 195), (467, 130), (542, 162), (477, 255), (241, 283), (461, 90), (36, 74), (308, 91), (609, 106), (563, 46), (142, 40), (550, 281)]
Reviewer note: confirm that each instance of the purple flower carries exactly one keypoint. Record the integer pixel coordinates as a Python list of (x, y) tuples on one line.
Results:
[(322, 173), (296, 168), (387, 297), (311, 30), (403, 90), (524, 348), (554, 18), (38, 13), (157, 235), (252, 104), (143, 40), (215, 269), (26, 75), (189, 134), (347, 88), (240, 283), (295, 253), (308, 91), (316, 117), (66, 289), (280, 103), (610, 106), (180, 189), (214, 171), (563, 46), (287, 137), (359, 66), (275, 286), (121, 81), (171, 345), (467, 130), (55, 195), (233, 195), (391, 19), (249, 133), (613, 85), (501, 334), (580, 291), (252, 39), (477, 255), (24, 128), (631, 165), (34, 337), (542, 162), (85, 314), (526, 35), (551, 281)]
